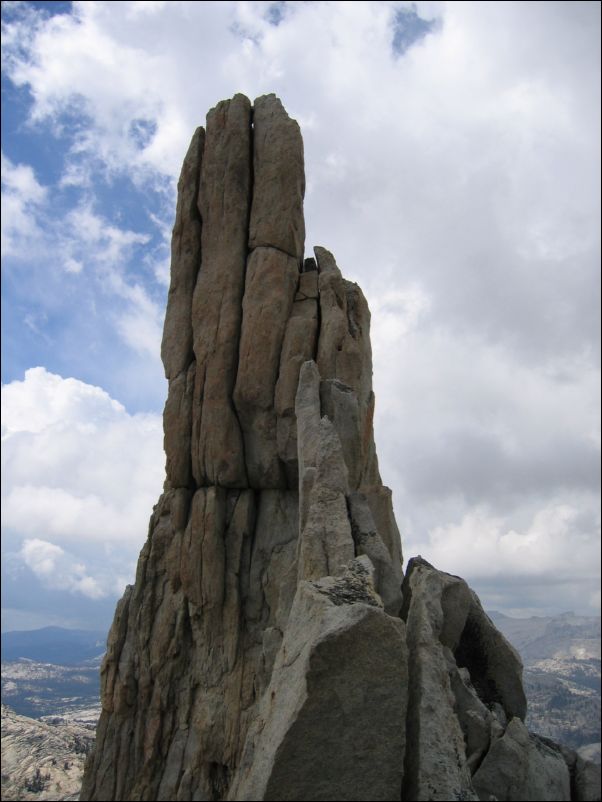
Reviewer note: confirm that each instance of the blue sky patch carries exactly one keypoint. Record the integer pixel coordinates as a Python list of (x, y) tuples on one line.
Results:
[(408, 28), (276, 13), (142, 131), (51, 7)]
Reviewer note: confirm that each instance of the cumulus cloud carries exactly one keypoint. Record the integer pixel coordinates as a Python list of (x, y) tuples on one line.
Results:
[(59, 570), (554, 542), (43, 401), (77, 467), (80, 476)]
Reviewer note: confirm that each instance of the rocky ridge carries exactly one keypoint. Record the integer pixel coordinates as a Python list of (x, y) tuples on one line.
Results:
[(268, 649), (561, 657), (42, 760)]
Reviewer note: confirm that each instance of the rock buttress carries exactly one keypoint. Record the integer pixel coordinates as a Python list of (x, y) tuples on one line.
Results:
[(194, 640)]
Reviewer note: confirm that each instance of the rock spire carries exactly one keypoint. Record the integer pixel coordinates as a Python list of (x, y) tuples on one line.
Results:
[(267, 649)]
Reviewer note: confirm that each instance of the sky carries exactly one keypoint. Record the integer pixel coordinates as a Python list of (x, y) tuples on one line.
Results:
[(452, 158)]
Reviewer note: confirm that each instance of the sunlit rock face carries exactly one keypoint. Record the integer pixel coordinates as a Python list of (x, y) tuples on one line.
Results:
[(267, 649)]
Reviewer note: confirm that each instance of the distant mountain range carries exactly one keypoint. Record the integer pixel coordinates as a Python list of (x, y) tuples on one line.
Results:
[(65, 647), (53, 673), (566, 636), (561, 655)]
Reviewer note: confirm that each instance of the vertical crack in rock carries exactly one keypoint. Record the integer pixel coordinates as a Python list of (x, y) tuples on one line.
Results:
[(299, 345), (267, 649)]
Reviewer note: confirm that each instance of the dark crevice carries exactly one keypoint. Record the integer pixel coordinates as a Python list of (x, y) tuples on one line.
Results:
[(232, 499), (412, 722), (196, 212), (219, 780), (351, 299), (235, 413), (237, 346), (251, 175), (406, 594), (355, 532), (195, 434), (195, 419), (412, 728), (319, 329), (248, 546), (477, 765), (470, 654)]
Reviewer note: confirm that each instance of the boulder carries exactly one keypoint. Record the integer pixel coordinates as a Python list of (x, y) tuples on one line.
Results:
[(521, 766), (337, 695)]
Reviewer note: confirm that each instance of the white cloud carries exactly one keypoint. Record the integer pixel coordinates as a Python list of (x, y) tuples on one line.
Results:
[(77, 467), (494, 464), (468, 417), (22, 195), (72, 265), (395, 313), (88, 231), (550, 545), (58, 570), (20, 178), (161, 266), (140, 323), (41, 556), (44, 401), (89, 237)]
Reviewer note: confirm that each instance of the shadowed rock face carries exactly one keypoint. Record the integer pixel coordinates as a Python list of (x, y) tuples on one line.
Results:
[(264, 651)]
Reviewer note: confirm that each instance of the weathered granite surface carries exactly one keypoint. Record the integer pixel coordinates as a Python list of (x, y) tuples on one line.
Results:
[(268, 649)]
